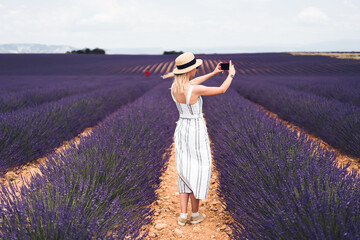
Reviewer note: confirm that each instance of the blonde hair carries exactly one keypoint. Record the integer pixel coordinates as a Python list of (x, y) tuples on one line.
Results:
[(179, 81)]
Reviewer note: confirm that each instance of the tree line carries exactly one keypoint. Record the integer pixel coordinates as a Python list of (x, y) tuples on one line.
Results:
[(88, 51)]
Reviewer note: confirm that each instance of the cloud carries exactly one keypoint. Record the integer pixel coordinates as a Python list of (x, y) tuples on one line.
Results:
[(311, 15), (349, 3), (162, 23)]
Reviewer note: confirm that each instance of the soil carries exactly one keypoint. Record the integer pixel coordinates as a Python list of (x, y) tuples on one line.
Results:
[(167, 211)]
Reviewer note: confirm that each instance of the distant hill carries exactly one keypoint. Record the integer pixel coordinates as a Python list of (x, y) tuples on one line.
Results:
[(42, 48), (34, 48)]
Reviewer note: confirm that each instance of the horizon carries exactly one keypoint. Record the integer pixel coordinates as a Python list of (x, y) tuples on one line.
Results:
[(28, 48)]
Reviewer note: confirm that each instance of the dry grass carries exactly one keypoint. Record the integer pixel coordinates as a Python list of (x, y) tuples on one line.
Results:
[(342, 55)]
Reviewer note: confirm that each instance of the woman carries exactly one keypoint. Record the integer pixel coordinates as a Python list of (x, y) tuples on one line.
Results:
[(192, 146)]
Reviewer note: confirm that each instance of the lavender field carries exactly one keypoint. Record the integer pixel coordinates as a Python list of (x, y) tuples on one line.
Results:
[(274, 183)]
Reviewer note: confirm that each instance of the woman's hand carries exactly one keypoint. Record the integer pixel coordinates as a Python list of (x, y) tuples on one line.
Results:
[(218, 69), (167, 75), (231, 69)]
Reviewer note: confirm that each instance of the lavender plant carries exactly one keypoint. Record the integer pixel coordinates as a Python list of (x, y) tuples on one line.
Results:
[(344, 89), (103, 188), (34, 132), (23, 96), (274, 183), (336, 123)]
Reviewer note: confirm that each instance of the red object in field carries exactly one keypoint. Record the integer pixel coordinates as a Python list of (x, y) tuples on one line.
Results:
[(147, 73)]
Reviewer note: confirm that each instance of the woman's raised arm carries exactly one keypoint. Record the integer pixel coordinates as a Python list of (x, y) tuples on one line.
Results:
[(203, 78), (202, 90)]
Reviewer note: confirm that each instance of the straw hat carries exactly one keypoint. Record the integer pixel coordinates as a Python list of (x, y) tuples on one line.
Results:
[(186, 62)]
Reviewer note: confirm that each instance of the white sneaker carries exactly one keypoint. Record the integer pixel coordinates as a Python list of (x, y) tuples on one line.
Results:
[(197, 219), (182, 221)]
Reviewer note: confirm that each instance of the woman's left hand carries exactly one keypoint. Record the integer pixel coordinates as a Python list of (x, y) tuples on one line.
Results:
[(218, 69)]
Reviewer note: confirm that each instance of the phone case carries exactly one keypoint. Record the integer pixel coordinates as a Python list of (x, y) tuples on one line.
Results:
[(224, 66)]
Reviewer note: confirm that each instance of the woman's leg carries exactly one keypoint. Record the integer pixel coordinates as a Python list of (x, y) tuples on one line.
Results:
[(195, 203), (184, 199)]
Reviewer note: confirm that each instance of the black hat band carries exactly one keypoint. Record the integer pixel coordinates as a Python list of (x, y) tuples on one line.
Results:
[(186, 64)]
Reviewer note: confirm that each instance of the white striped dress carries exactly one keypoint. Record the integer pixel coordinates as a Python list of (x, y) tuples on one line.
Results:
[(192, 148)]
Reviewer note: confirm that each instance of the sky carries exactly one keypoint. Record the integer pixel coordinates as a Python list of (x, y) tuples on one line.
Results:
[(177, 25)]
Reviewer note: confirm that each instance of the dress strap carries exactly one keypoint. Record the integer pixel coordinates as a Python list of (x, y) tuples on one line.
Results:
[(189, 94)]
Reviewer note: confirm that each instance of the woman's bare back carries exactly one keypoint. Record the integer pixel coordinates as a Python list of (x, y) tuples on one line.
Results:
[(181, 97)]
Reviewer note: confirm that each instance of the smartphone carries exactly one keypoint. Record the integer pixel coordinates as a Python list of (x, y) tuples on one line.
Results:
[(224, 66)]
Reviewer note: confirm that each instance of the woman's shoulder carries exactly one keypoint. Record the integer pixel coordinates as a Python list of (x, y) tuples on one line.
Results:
[(197, 87)]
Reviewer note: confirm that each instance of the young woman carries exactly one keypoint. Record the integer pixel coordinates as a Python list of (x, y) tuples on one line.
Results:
[(192, 146)]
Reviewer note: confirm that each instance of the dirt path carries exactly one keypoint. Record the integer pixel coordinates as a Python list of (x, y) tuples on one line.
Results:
[(167, 211)]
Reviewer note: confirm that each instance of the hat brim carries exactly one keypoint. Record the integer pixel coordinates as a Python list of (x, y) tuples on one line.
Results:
[(188, 69)]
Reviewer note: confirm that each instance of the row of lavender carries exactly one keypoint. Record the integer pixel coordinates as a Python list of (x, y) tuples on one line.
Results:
[(264, 64), (33, 132), (341, 88), (275, 184), (21, 92), (249, 64), (103, 189), (336, 122), (281, 64), (73, 64)]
